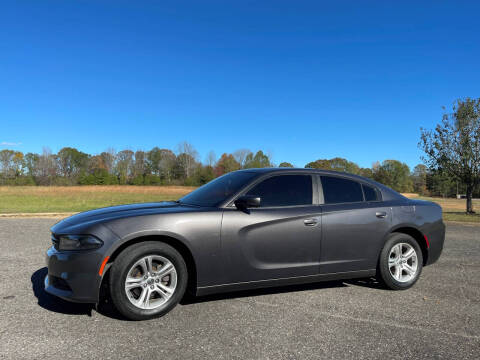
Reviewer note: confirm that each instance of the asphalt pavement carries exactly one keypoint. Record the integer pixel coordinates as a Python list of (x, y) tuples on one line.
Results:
[(438, 318)]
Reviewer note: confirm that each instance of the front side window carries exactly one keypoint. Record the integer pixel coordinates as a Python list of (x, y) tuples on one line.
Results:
[(284, 190), (338, 190)]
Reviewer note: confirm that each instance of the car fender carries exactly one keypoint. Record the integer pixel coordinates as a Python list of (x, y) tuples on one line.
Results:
[(408, 228), (147, 233)]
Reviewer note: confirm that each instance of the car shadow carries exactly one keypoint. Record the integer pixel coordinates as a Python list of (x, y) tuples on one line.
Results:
[(364, 282), (106, 308), (53, 303), (189, 299), (371, 283), (56, 304)]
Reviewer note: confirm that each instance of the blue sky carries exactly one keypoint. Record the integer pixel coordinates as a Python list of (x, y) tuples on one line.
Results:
[(300, 79)]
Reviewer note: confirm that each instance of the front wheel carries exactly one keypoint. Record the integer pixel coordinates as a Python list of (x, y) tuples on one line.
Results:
[(400, 263), (147, 280)]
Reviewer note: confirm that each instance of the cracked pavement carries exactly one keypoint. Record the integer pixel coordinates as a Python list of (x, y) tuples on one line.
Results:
[(438, 318)]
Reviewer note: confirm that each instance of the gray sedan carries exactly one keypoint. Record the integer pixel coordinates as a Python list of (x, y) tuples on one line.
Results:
[(247, 229)]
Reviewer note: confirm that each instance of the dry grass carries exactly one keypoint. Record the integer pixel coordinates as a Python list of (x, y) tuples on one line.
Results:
[(410, 195), (453, 209), (453, 204), (447, 204)]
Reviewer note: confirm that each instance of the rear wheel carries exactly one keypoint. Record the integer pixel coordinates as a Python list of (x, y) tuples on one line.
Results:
[(147, 280), (400, 263)]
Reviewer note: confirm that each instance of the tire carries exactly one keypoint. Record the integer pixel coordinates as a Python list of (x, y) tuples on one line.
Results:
[(148, 294), (394, 270)]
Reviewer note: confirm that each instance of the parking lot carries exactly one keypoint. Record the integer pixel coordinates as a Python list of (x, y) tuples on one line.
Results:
[(438, 318)]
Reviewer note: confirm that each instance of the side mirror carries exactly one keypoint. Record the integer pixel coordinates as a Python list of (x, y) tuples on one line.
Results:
[(247, 201)]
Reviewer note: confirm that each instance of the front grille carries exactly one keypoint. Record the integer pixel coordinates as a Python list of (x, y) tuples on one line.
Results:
[(55, 241)]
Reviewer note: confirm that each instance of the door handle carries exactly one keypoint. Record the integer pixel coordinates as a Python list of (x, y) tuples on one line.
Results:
[(381, 214), (310, 222)]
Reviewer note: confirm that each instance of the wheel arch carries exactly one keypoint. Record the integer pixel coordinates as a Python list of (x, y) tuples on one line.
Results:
[(174, 242), (415, 233)]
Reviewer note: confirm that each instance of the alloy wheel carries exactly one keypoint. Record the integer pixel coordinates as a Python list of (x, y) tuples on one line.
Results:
[(403, 262), (151, 282)]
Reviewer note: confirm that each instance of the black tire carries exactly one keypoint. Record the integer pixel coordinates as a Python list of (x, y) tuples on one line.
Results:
[(124, 262), (384, 274)]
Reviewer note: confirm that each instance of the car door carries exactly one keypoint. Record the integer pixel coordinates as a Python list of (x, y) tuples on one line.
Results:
[(279, 239), (354, 223)]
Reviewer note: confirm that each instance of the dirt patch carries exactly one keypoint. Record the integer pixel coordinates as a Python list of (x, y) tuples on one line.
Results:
[(38, 215)]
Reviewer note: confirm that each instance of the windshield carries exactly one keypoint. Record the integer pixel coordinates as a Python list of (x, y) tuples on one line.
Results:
[(217, 191)]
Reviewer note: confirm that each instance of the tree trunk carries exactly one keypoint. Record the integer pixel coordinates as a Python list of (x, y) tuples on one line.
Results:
[(469, 199)]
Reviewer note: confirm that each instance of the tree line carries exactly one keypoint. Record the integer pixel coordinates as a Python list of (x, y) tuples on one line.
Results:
[(452, 158), (160, 166)]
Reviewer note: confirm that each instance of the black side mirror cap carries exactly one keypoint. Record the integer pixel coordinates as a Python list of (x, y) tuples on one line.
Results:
[(247, 201)]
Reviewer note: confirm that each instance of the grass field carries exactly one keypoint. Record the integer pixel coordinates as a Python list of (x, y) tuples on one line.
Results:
[(59, 199), (453, 209), (67, 199)]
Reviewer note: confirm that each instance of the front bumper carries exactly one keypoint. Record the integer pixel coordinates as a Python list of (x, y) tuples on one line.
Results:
[(73, 276)]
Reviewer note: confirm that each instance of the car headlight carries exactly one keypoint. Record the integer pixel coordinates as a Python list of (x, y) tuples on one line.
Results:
[(78, 242)]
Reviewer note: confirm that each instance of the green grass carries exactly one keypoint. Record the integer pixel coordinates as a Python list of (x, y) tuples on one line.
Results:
[(63, 199)]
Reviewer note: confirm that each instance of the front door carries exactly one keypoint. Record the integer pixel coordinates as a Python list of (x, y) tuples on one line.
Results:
[(279, 239)]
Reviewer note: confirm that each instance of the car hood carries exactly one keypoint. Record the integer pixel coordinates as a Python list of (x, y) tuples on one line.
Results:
[(116, 212)]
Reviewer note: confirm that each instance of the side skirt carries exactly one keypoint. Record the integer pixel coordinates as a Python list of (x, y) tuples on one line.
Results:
[(215, 289)]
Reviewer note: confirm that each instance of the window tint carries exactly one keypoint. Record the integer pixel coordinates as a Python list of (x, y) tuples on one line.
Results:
[(284, 190), (371, 194), (338, 190)]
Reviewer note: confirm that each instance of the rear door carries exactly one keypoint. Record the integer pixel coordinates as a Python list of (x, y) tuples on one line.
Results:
[(279, 239), (354, 223)]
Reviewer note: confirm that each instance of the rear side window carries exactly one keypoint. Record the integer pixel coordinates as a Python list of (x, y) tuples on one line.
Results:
[(339, 190), (371, 194), (284, 190)]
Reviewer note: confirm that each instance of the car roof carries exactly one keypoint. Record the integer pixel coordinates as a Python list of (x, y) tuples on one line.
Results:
[(307, 170), (387, 192)]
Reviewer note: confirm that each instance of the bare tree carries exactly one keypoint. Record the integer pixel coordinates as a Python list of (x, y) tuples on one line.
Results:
[(270, 157), (166, 164), (139, 166), (211, 158), (109, 157), (47, 166), (187, 156), (240, 155)]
